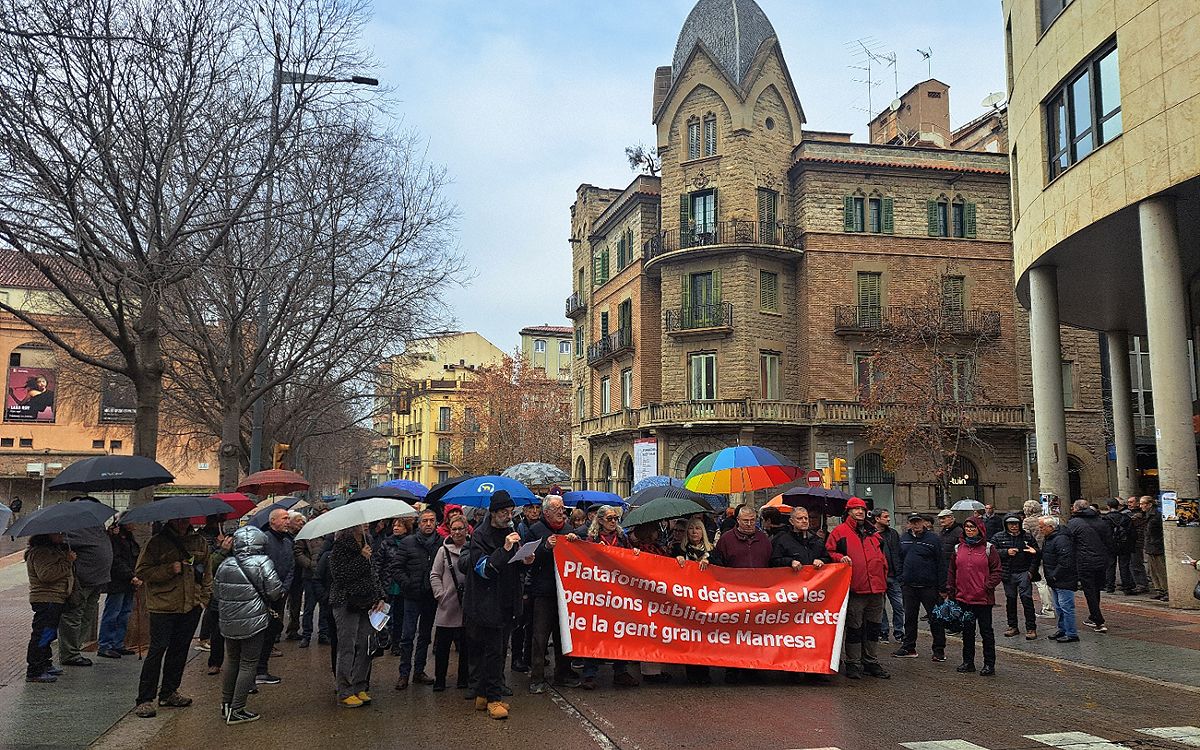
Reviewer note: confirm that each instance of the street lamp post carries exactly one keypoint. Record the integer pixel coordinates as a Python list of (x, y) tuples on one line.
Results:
[(279, 78)]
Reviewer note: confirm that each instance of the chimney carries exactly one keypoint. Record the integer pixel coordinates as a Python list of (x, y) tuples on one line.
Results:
[(662, 84)]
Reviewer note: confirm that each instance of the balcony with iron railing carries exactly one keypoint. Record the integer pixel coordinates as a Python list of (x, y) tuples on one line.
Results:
[(442, 456), (413, 429), (737, 232), (576, 305), (864, 319), (617, 342), (700, 319)]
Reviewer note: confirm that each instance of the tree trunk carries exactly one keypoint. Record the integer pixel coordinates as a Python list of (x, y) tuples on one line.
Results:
[(231, 445)]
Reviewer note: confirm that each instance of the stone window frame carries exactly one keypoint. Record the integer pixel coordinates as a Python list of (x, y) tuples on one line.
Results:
[(856, 212), (694, 138), (708, 131)]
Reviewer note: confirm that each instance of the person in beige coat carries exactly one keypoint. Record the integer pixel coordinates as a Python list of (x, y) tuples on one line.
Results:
[(447, 584), (51, 568), (1032, 510)]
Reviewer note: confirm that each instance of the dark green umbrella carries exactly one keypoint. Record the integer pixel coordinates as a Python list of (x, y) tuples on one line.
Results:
[(663, 508), (643, 497)]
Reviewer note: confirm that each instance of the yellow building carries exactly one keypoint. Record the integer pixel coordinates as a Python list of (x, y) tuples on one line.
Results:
[(1104, 117), (549, 349)]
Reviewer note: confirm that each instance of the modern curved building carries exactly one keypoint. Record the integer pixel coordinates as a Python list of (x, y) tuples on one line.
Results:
[(1104, 116)]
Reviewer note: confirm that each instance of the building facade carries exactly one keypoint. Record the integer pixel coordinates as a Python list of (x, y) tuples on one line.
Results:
[(733, 298), (549, 349), (1104, 109)]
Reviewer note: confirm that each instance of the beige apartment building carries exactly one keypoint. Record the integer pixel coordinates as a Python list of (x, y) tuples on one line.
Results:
[(733, 298), (549, 349)]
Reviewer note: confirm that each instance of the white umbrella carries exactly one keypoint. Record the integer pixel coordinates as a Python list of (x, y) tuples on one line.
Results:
[(967, 505), (355, 514)]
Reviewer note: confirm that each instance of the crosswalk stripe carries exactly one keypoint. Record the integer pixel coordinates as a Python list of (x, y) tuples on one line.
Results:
[(1074, 741), (1189, 736), (942, 745)]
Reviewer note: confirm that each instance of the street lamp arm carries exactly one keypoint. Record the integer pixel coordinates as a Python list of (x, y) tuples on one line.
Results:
[(292, 78)]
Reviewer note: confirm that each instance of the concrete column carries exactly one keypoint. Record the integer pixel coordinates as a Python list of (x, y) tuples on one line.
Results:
[(1167, 327), (1122, 409), (1050, 422)]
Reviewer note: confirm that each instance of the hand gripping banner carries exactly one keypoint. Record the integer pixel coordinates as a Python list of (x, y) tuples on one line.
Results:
[(616, 605)]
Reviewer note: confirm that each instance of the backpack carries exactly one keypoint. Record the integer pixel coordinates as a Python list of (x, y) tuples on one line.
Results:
[(1122, 528)]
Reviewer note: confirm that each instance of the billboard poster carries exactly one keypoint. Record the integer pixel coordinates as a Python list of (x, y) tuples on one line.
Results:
[(645, 458), (29, 396), (118, 401)]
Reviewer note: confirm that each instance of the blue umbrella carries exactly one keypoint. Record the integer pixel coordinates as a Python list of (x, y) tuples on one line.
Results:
[(476, 492), (657, 480), (416, 488), (595, 497)]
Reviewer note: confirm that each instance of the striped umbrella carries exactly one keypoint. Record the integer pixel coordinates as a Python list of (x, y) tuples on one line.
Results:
[(743, 468)]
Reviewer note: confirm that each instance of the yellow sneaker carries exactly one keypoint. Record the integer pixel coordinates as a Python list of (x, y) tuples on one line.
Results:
[(351, 701), (365, 697), (497, 710), (481, 703)]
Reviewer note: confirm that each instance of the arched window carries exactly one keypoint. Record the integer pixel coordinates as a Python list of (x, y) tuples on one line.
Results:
[(604, 477), (580, 481), (539, 346), (710, 134), (625, 480), (693, 138), (964, 483), (1074, 478), (694, 461)]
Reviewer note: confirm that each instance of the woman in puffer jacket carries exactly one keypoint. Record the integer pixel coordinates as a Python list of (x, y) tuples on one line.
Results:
[(244, 587)]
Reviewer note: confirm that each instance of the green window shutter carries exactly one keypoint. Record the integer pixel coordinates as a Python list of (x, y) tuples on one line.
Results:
[(604, 263), (716, 290), (596, 281), (685, 220), (889, 222), (848, 213), (931, 208), (969, 219), (716, 208)]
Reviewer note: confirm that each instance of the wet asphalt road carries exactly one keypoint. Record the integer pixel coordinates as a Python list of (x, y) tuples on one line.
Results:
[(922, 702)]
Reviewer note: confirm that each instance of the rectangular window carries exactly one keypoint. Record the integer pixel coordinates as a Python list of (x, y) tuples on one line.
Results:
[(580, 404), (600, 267), (853, 213), (1050, 10), (1068, 385), (444, 419), (768, 226), (8, 443), (768, 291), (768, 376), (959, 217), (579, 341), (469, 421), (25, 442), (443, 450), (875, 215), (627, 389), (943, 224), (539, 346), (704, 215), (710, 136), (564, 347), (115, 445), (870, 299), (605, 396), (953, 298), (694, 139), (702, 299), (1084, 113), (468, 446), (625, 322), (702, 370), (962, 379), (604, 325), (98, 445), (864, 374)]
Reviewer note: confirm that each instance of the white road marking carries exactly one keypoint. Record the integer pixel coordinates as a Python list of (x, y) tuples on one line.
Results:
[(592, 730), (942, 745), (1074, 741), (1189, 736)]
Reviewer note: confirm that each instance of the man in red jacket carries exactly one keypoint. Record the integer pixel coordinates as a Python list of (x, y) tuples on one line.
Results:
[(856, 542)]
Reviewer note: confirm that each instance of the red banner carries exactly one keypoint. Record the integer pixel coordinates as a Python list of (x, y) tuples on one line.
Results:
[(646, 608)]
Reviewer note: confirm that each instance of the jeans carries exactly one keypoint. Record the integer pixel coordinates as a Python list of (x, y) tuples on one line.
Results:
[(295, 605), (240, 669), (443, 639), (418, 627), (486, 649), (1018, 587), (895, 599), (170, 635), (983, 621), (310, 607), (354, 655), (117, 608), (274, 628), (543, 624), (862, 614), (1064, 607), (1092, 581), (914, 599), (1137, 568), (79, 614), (43, 632)]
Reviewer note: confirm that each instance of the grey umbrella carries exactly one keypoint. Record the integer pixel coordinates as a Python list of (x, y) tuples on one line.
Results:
[(63, 517), (967, 505), (662, 508), (536, 474), (178, 506)]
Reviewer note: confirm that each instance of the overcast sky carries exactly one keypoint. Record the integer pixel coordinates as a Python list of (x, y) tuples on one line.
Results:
[(524, 100)]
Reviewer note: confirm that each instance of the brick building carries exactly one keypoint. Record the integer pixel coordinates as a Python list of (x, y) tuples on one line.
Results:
[(731, 299)]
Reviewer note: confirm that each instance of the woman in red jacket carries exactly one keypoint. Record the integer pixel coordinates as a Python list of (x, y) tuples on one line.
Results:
[(972, 580)]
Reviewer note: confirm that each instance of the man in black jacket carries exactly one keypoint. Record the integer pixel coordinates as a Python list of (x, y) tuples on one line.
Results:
[(950, 533), (1092, 539), (889, 542), (281, 550), (1062, 576), (798, 546), (1156, 551), (543, 598), (1123, 543), (922, 579), (1137, 557), (493, 598), (410, 567), (1018, 559)]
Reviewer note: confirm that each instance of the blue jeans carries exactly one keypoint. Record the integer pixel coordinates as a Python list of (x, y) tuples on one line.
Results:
[(310, 606), (418, 626), (1064, 605), (114, 621), (895, 599)]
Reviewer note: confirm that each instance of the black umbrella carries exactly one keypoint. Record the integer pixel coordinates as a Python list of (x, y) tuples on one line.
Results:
[(394, 493), (111, 473), (818, 499), (643, 497), (263, 516), (441, 488), (178, 506), (63, 517)]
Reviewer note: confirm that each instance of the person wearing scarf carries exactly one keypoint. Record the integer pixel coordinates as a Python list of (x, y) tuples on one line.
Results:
[(971, 581), (543, 598)]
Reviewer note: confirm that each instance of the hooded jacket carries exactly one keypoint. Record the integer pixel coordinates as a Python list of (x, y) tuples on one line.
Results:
[(924, 563), (493, 586), (245, 585), (169, 592), (51, 573), (442, 578), (859, 541), (795, 546), (974, 573), (1058, 561), (1022, 561), (1092, 538)]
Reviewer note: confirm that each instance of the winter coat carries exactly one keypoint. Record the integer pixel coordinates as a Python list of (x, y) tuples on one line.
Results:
[(411, 563), (1138, 520), (689, 552), (889, 542), (125, 551), (794, 546), (736, 551), (305, 552), (321, 577), (993, 525), (924, 564), (1092, 538), (860, 543), (445, 580), (1124, 537), (1023, 561), (51, 574), (383, 559), (245, 585), (974, 573), (1154, 533), (94, 554), (1058, 561), (166, 591), (541, 573), (493, 586), (352, 580), (279, 547), (950, 538)]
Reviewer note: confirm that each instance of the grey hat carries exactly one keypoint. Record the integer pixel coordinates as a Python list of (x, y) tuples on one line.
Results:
[(945, 513)]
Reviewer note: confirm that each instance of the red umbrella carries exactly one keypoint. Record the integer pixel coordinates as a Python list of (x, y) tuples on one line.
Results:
[(273, 482), (241, 504)]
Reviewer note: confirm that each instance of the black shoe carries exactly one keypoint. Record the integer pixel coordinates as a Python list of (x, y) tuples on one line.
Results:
[(108, 653), (241, 716), (54, 671), (43, 677), (1110, 590), (505, 690), (1055, 635), (322, 640), (78, 661), (876, 670), (304, 643), (294, 637), (1065, 639), (439, 687), (656, 679), (267, 679), (965, 668), (939, 657), (126, 651), (520, 666), (905, 653), (987, 671), (853, 672)]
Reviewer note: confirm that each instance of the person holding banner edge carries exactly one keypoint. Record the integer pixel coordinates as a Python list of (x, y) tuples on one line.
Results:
[(856, 542)]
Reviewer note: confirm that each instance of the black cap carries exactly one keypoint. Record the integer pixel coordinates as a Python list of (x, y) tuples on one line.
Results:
[(500, 500), (916, 517)]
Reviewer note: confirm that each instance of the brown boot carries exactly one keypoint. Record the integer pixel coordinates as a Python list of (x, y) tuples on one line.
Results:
[(420, 678), (1031, 635), (1011, 632), (497, 710), (481, 703), (402, 682)]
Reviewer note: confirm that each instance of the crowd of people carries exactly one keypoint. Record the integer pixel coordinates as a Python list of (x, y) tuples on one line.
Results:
[(445, 582)]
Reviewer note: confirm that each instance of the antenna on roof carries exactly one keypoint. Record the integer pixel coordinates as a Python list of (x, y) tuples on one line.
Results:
[(927, 53), (868, 54), (993, 100)]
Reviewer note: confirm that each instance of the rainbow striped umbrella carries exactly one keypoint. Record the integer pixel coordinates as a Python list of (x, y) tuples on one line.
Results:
[(743, 468)]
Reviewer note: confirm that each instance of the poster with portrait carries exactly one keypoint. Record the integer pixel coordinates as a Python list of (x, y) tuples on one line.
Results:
[(118, 401), (29, 395)]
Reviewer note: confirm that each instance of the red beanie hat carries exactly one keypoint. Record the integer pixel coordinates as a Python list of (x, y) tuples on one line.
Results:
[(855, 502)]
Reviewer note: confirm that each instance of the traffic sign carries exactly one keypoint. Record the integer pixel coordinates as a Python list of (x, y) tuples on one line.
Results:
[(814, 478)]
